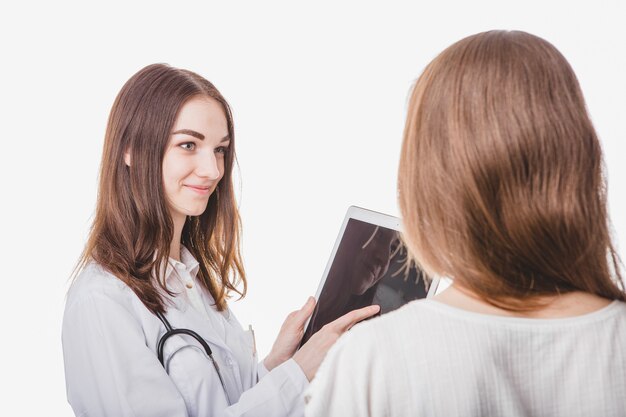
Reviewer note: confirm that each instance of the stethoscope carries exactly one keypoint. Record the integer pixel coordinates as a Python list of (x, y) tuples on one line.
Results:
[(171, 332)]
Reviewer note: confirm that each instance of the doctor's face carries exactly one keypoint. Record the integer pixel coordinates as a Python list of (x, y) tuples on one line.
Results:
[(193, 163)]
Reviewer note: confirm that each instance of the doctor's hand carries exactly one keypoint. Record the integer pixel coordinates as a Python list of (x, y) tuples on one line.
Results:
[(311, 354), (290, 335)]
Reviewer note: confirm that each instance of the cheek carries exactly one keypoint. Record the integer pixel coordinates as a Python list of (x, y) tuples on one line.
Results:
[(174, 169), (221, 164)]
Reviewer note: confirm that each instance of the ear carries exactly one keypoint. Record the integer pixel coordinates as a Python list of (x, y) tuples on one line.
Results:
[(127, 158)]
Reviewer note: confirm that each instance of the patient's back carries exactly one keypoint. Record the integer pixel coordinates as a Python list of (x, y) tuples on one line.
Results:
[(430, 359)]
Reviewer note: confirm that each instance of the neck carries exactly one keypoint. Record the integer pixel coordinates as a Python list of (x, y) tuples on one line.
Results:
[(558, 306), (179, 223)]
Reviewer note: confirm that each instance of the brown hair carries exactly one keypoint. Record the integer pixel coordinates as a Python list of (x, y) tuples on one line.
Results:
[(501, 182), (132, 229)]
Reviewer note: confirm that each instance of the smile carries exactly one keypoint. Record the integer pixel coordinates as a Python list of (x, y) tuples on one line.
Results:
[(199, 189)]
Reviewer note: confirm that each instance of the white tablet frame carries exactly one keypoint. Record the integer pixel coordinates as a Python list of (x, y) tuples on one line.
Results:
[(372, 217)]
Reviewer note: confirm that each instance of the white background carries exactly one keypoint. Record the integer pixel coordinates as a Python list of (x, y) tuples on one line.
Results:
[(318, 92)]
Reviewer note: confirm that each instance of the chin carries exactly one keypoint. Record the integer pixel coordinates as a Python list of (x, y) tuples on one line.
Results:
[(198, 212), (195, 210)]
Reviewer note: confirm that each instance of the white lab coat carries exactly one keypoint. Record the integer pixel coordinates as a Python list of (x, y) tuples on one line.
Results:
[(111, 366)]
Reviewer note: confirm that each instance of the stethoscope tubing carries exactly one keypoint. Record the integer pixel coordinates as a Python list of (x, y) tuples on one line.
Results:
[(171, 332)]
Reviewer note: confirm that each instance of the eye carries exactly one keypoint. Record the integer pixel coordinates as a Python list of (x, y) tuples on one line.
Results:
[(221, 150), (189, 146)]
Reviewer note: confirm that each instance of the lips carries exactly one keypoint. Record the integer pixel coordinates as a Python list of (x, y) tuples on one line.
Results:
[(200, 189)]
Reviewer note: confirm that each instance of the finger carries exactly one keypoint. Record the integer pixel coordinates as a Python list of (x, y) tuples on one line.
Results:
[(348, 320), (305, 312)]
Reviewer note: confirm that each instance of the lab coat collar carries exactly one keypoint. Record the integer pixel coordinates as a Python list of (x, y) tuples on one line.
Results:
[(187, 261), (172, 279), (181, 312)]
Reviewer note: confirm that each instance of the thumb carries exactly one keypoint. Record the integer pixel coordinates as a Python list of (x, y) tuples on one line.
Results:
[(305, 312)]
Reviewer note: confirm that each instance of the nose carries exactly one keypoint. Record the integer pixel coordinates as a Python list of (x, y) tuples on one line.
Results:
[(208, 166)]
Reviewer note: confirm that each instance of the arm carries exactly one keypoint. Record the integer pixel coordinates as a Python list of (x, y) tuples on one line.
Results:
[(302, 365), (109, 370), (279, 393)]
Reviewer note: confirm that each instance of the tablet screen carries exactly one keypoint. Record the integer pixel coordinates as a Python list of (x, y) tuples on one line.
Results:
[(369, 267)]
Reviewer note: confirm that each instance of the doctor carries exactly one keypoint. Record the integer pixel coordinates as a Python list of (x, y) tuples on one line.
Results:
[(147, 330)]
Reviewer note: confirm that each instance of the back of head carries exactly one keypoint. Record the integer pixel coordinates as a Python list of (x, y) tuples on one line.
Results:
[(500, 180)]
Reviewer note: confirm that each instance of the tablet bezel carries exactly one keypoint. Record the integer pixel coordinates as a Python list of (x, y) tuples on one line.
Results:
[(372, 217)]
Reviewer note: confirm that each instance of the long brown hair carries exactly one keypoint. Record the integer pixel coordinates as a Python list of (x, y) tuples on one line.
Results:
[(501, 183), (132, 229)]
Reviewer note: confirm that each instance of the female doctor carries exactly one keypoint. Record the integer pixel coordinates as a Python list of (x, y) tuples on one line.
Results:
[(147, 330)]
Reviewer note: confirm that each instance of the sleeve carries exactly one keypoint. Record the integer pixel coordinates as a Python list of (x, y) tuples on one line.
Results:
[(262, 370), (279, 393), (349, 382), (109, 369)]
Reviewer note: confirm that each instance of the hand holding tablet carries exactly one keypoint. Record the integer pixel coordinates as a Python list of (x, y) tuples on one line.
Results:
[(310, 356), (368, 266)]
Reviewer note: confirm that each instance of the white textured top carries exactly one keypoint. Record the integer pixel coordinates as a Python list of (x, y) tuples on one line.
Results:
[(430, 359)]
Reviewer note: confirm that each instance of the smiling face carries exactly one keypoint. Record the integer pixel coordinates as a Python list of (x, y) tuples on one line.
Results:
[(193, 163)]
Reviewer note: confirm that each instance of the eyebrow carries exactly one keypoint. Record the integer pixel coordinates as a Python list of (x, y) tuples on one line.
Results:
[(198, 134)]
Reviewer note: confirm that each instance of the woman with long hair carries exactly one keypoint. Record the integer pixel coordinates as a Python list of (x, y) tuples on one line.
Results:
[(501, 189), (147, 330)]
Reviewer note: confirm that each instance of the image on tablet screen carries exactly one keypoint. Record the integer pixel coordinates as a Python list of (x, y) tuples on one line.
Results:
[(370, 267)]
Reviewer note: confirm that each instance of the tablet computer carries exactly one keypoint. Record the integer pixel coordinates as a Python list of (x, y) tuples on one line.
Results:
[(368, 265)]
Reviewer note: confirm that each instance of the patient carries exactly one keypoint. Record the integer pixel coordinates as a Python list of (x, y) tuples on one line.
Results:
[(501, 188)]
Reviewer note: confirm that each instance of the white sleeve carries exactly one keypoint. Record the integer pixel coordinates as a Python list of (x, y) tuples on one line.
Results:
[(262, 370), (348, 383), (279, 393), (109, 369)]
